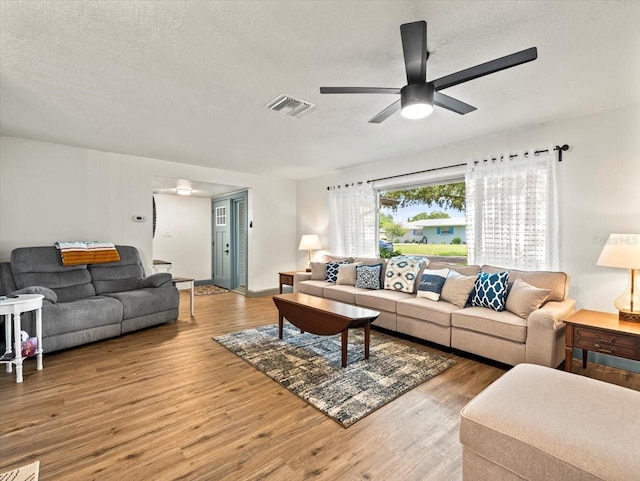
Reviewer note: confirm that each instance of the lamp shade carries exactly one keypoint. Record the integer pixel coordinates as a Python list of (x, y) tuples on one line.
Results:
[(622, 251), (309, 242)]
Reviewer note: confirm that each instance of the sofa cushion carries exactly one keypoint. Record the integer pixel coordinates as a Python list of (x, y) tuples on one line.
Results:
[(83, 314), (471, 270), (490, 290), (402, 273), (342, 293), (431, 283), (556, 282), (368, 277), (438, 312), (7, 284), (314, 288), (457, 288), (120, 276), (42, 266), (524, 298), (505, 324), (142, 302), (382, 299)]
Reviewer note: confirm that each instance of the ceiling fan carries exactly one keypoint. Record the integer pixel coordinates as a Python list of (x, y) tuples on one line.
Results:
[(418, 97)]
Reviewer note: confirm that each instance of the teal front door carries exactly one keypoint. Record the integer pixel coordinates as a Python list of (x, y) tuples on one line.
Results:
[(222, 243)]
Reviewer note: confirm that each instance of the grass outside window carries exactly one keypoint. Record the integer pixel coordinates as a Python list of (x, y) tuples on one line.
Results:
[(431, 249)]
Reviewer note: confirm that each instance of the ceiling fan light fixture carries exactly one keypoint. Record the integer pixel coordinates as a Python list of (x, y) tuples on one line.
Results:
[(416, 101)]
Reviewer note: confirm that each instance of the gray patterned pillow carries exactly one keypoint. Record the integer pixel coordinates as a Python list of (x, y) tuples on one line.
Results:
[(368, 277)]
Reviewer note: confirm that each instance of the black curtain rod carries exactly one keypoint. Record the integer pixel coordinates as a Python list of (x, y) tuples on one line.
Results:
[(345, 185), (560, 149)]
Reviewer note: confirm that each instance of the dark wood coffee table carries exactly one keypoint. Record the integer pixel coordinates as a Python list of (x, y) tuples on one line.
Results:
[(324, 317)]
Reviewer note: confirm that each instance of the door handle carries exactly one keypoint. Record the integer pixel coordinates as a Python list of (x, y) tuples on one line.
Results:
[(227, 251)]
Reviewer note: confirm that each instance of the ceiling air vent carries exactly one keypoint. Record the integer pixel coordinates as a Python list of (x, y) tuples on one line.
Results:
[(290, 105)]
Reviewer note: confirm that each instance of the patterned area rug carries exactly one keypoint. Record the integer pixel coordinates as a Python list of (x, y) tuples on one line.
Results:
[(25, 473), (207, 290), (309, 366)]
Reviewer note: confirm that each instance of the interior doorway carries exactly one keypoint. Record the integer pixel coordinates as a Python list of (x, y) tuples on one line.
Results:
[(229, 241)]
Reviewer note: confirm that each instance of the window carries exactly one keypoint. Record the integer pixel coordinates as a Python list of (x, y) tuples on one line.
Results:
[(414, 219), (221, 216)]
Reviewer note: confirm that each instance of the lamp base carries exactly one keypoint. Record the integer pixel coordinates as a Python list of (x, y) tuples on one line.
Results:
[(629, 316)]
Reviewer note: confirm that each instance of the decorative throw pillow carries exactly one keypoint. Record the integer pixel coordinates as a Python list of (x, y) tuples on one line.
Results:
[(332, 270), (457, 288), (491, 290), (347, 274), (318, 271), (524, 298), (368, 277), (431, 283), (402, 272)]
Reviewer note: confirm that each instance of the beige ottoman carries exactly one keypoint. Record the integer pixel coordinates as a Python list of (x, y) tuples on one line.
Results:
[(539, 424)]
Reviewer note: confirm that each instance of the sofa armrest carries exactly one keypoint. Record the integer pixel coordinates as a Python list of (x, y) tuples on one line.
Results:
[(155, 280), (546, 333), (552, 314), (49, 294), (299, 277)]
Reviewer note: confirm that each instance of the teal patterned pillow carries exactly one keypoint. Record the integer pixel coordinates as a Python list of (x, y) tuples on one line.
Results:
[(332, 270), (402, 272), (490, 290)]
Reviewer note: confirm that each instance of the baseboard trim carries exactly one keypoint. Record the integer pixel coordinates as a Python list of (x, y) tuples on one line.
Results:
[(265, 293)]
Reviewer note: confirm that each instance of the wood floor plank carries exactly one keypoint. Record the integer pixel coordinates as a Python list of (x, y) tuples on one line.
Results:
[(168, 403)]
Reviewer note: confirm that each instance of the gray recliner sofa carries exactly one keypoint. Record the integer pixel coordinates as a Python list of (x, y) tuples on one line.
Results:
[(87, 303)]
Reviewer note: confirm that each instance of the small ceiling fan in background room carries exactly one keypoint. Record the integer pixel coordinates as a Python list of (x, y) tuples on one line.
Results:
[(418, 97)]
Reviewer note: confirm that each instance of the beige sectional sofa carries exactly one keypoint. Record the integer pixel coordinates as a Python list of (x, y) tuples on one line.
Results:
[(502, 336)]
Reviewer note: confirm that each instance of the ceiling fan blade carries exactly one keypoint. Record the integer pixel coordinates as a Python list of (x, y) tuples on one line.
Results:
[(486, 68), (414, 46), (358, 90), (386, 113), (449, 103)]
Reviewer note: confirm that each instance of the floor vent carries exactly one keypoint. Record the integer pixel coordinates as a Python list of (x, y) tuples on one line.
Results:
[(290, 105)]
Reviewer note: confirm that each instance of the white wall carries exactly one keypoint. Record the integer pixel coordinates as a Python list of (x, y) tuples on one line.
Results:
[(183, 235), (51, 192), (598, 183)]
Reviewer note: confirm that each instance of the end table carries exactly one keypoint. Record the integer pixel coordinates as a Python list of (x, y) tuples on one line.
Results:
[(14, 306), (600, 332)]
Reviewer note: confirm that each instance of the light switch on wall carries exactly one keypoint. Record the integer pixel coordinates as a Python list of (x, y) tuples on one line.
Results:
[(166, 234)]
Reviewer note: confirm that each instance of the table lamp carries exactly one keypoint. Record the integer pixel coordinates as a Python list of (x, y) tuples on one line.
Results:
[(309, 242), (623, 251)]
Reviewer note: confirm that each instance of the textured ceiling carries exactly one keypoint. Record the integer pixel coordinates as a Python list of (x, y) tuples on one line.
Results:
[(188, 81)]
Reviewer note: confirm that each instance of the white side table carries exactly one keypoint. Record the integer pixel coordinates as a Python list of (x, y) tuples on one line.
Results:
[(14, 306), (183, 283)]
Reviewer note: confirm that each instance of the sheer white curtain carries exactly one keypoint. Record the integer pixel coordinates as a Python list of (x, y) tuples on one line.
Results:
[(512, 211), (353, 220)]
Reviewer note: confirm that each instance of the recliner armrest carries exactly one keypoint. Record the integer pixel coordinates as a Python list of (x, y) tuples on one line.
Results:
[(49, 294), (155, 280)]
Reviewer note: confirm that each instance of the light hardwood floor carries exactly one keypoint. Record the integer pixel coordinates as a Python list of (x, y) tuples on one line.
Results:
[(168, 403)]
